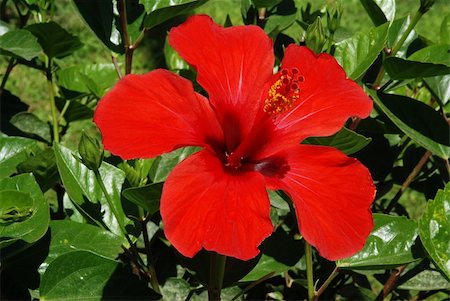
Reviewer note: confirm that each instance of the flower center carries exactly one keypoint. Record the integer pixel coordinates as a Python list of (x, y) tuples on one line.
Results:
[(284, 92)]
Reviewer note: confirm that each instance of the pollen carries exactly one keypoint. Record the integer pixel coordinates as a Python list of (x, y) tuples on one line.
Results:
[(284, 92)]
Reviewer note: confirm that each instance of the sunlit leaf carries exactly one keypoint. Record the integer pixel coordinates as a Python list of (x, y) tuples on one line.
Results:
[(69, 236), (357, 53), (20, 43), (391, 243), (82, 275), (345, 140), (93, 78), (434, 230), (84, 190), (31, 124), (164, 164), (426, 281), (13, 150), (24, 212)]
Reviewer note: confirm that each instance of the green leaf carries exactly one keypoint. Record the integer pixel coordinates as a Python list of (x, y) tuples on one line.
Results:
[(68, 236), (426, 281), (379, 11), (391, 243), (13, 150), (277, 23), (345, 140), (93, 79), (164, 164), (445, 30), (84, 191), (20, 43), (436, 54), (43, 167), (81, 275), (31, 124), (417, 120), (175, 289), (399, 68), (440, 87), (25, 212), (434, 230), (54, 40), (357, 53), (147, 197), (159, 11)]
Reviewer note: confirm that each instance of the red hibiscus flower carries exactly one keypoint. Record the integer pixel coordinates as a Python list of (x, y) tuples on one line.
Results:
[(250, 131)]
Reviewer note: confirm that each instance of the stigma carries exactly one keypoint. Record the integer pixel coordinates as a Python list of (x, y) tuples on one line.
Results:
[(284, 92)]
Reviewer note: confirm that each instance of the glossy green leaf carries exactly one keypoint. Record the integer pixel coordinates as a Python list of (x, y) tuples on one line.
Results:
[(417, 120), (54, 40), (426, 281), (159, 11), (345, 140), (391, 243), (357, 53), (436, 54), (164, 164), (434, 230), (13, 150), (24, 212), (84, 191), (10, 105), (69, 236), (445, 30), (31, 124), (440, 86), (43, 167), (175, 289), (81, 275), (20, 43), (399, 68), (94, 79), (379, 11), (147, 197)]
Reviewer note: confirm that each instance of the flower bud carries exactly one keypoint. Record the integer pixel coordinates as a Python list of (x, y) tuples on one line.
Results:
[(425, 5), (91, 152), (315, 38), (334, 16)]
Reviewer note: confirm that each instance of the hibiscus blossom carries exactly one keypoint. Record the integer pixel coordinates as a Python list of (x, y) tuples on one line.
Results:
[(250, 131)]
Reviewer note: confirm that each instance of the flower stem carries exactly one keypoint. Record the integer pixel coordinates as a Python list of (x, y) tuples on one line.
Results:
[(408, 181), (125, 37), (309, 271), (216, 273), (327, 282), (151, 272), (51, 95)]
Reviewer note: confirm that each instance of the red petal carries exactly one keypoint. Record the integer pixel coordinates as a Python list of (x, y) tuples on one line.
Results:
[(327, 97), (146, 115), (203, 205), (332, 194), (233, 65)]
